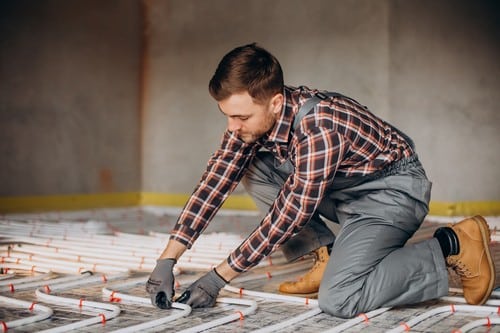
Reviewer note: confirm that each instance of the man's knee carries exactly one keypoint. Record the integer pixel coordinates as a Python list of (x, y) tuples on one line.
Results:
[(338, 302)]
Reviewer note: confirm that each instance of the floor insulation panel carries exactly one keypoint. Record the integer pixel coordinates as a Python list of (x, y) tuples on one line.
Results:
[(85, 271)]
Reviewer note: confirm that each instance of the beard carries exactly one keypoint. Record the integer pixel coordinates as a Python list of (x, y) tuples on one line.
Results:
[(264, 127)]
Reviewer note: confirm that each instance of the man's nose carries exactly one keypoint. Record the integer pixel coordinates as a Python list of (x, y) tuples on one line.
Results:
[(233, 124)]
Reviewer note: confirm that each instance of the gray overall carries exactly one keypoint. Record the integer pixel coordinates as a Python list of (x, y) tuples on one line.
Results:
[(370, 266)]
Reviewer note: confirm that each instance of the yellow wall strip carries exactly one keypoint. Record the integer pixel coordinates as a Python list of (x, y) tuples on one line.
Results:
[(236, 202)]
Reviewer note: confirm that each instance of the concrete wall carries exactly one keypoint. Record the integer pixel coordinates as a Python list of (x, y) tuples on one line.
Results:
[(429, 67), (339, 45), (69, 87), (70, 115), (445, 91)]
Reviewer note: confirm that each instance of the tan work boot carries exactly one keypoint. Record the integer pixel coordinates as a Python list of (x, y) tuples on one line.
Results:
[(473, 263), (308, 285)]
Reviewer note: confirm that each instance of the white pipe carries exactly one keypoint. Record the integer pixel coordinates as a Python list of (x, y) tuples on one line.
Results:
[(43, 255), (480, 322), (450, 308), (358, 319), (271, 296), (289, 322), (28, 279), (16, 285), (41, 313), (65, 267), (110, 311), (238, 315), (147, 302), (8, 266), (7, 275), (455, 299), (125, 298)]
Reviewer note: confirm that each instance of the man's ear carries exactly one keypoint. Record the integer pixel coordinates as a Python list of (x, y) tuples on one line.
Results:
[(277, 103)]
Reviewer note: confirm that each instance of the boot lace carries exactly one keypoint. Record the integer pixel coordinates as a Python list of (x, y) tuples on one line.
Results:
[(460, 268)]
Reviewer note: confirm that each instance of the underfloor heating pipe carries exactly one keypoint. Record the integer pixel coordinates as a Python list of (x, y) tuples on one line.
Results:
[(44, 254), (294, 267), (118, 251), (14, 266), (289, 322), (125, 298), (237, 315), (364, 317), (41, 312), (106, 311), (58, 266), (487, 321), (272, 296), (452, 308), (38, 281), (141, 248), (69, 251), (224, 242), (477, 323), (214, 243), (12, 278), (5, 276)]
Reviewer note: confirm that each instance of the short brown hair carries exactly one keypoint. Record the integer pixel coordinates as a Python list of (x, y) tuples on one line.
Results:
[(247, 68)]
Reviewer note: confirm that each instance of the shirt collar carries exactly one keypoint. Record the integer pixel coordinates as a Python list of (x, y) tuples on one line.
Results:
[(281, 130)]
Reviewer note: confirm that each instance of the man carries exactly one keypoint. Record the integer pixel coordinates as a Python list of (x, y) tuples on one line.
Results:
[(335, 160)]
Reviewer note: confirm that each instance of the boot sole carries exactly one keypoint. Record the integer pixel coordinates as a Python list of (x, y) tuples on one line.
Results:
[(485, 233), (310, 295)]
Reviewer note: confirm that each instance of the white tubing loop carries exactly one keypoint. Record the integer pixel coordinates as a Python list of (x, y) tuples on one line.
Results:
[(237, 315), (289, 322), (24, 280), (205, 258), (480, 322), (12, 266), (291, 268), (44, 254), (16, 285), (58, 266), (271, 296), (355, 321), (442, 309), (6, 276), (130, 299), (41, 312), (105, 311)]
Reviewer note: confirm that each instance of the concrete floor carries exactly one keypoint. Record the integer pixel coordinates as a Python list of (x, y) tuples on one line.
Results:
[(142, 221)]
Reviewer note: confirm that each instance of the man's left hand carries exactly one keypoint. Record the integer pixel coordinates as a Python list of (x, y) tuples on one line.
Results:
[(204, 291)]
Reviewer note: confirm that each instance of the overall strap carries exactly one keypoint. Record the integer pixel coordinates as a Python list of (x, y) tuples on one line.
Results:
[(311, 103), (323, 95)]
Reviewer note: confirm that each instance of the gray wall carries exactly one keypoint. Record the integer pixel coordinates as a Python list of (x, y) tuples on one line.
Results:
[(69, 78), (70, 115), (429, 67), (445, 91)]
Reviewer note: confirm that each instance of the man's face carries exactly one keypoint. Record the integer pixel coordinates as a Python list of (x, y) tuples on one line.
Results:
[(247, 119)]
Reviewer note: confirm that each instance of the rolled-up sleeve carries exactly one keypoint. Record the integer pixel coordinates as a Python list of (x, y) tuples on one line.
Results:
[(224, 170)]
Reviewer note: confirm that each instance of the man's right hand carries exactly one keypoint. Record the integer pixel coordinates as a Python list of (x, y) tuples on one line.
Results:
[(160, 285)]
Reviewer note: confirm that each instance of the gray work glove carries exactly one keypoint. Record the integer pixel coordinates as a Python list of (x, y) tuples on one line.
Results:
[(160, 285), (203, 292)]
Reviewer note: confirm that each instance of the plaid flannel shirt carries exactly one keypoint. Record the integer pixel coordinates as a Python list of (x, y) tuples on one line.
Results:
[(341, 138)]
